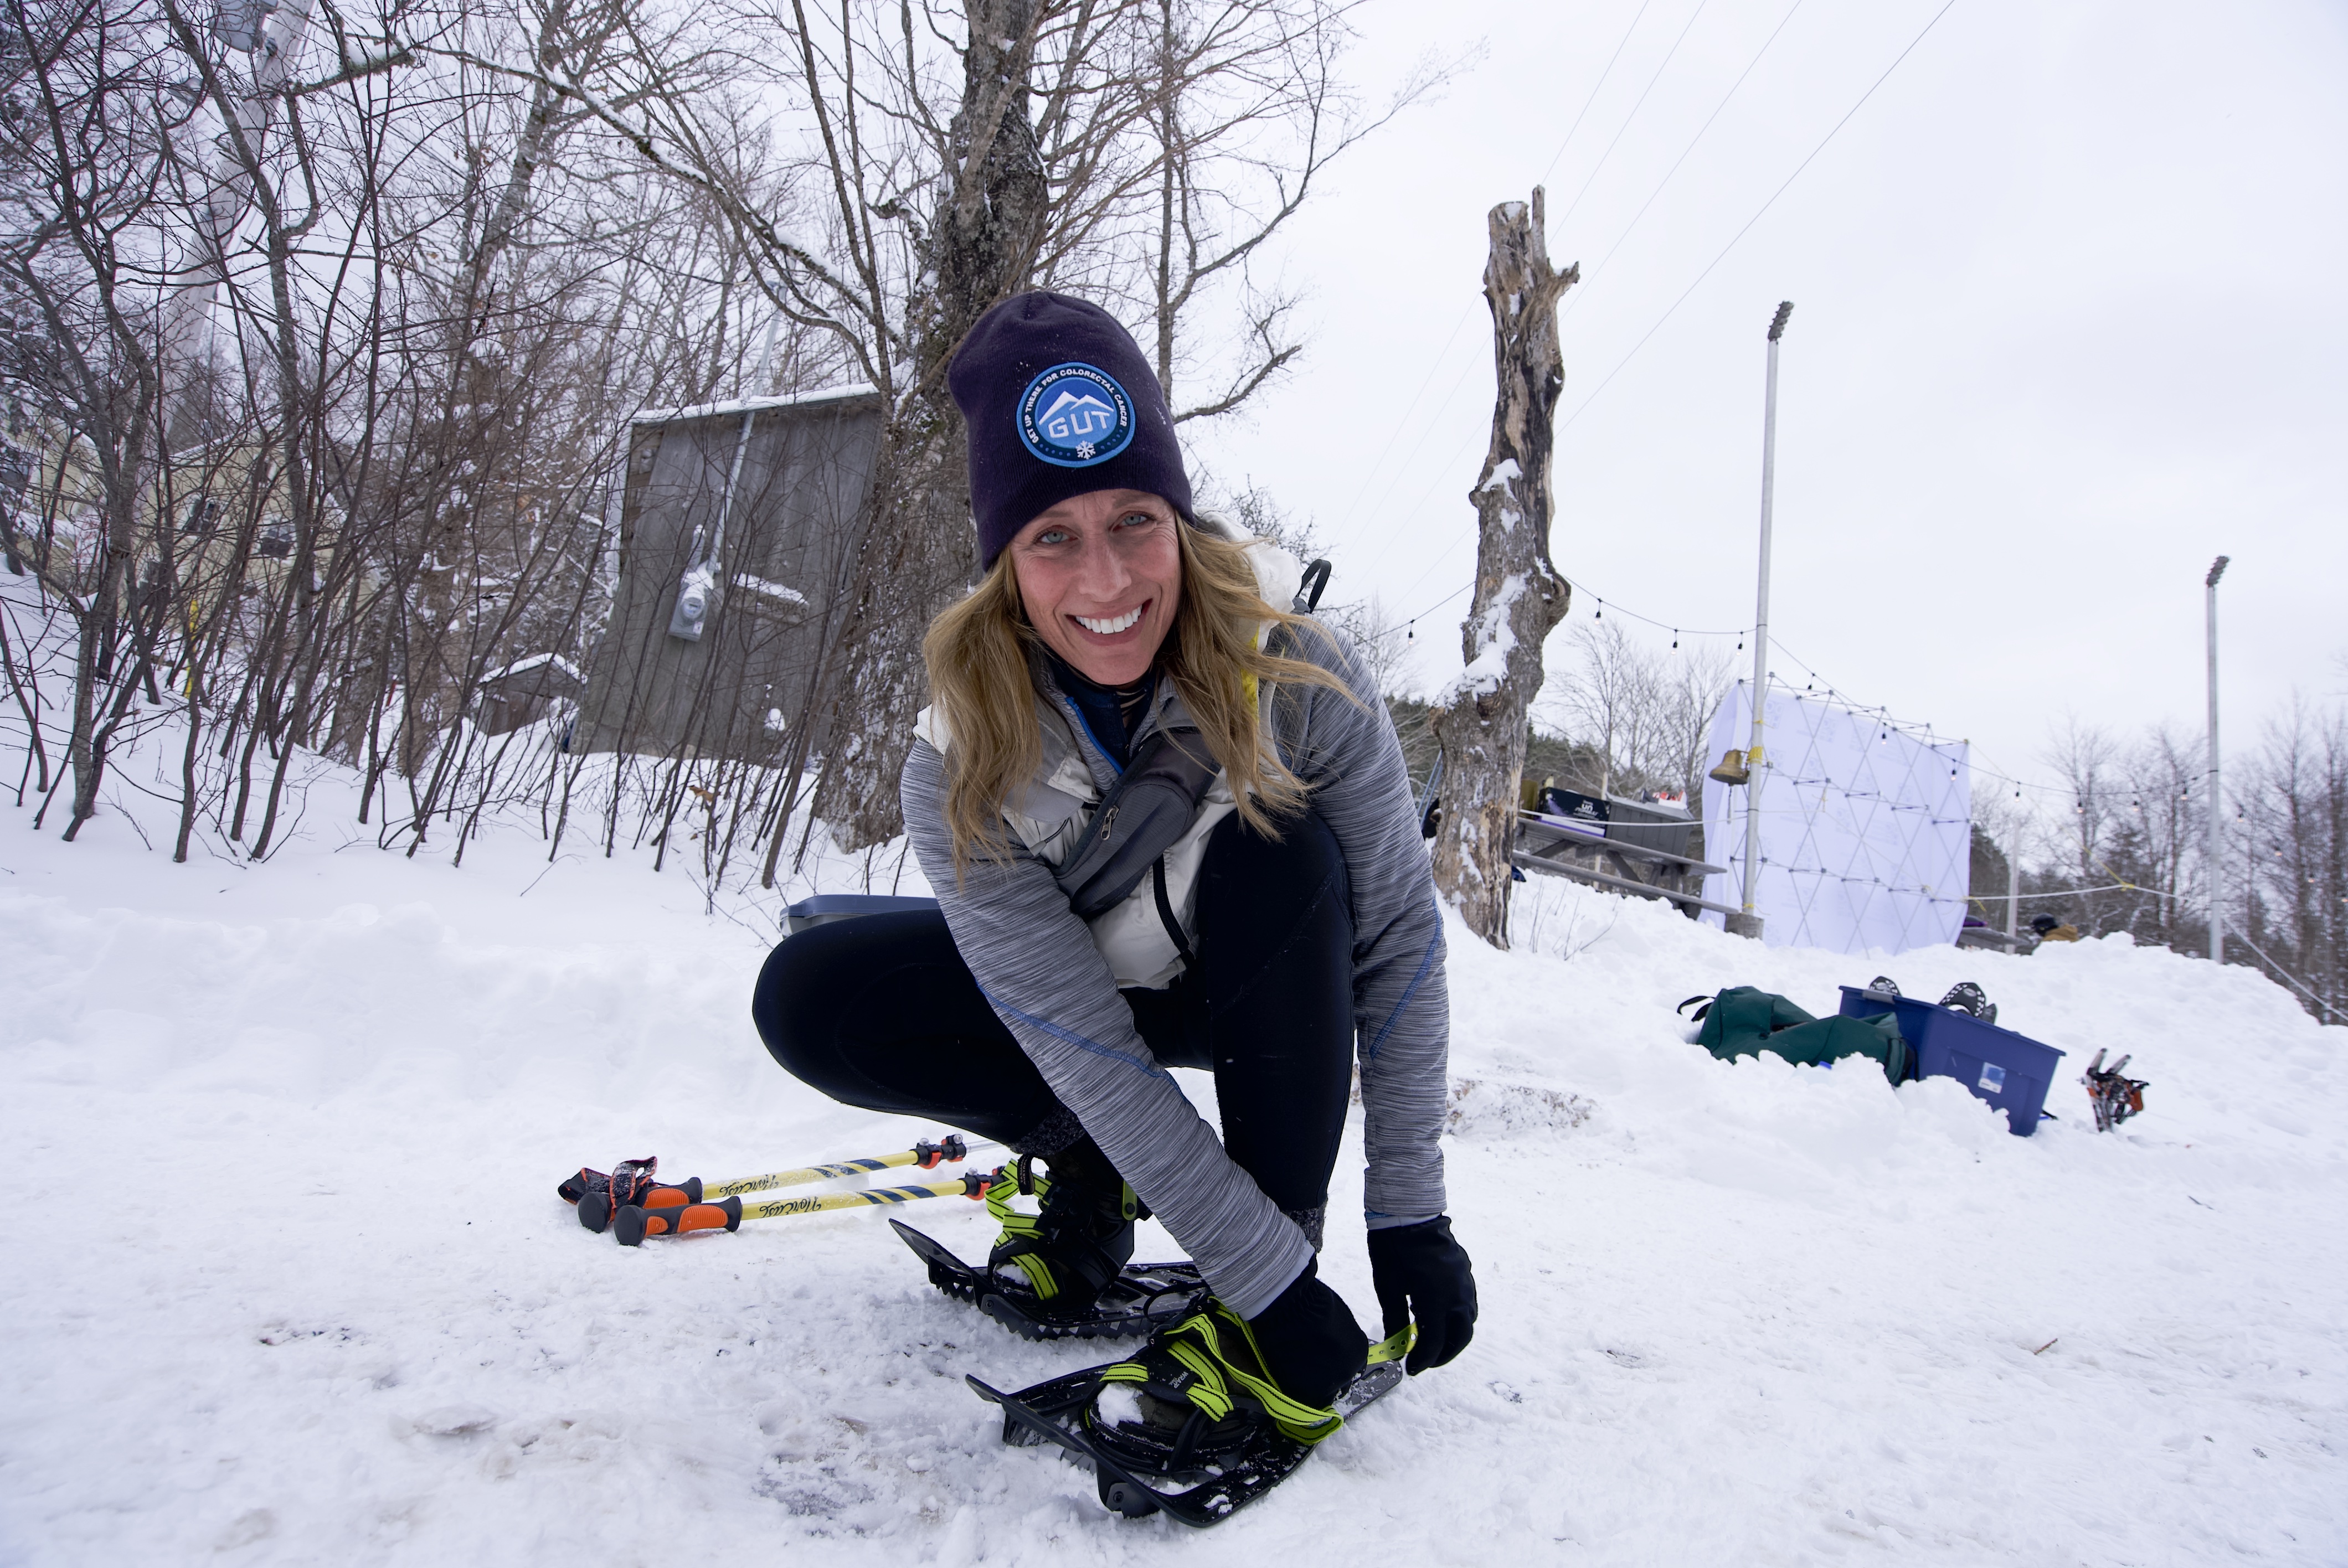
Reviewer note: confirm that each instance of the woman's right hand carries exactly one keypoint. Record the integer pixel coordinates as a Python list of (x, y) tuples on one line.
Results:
[(1423, 1275)]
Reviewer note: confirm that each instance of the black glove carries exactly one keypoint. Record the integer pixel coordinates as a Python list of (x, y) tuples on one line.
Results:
[(1311, 1346), (1420, 1272)]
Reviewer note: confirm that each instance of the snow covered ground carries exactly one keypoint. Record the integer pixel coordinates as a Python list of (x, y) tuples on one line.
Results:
[(290, 1282)]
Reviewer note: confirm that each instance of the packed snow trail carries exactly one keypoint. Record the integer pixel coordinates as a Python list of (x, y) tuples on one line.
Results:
[(290, 1284)]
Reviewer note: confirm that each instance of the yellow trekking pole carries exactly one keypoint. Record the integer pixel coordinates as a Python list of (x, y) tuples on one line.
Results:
[(634, 1223), (600, 1196)]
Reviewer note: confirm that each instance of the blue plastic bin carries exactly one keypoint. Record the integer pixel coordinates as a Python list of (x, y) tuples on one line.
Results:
[(825, 907), (2011, 1072)]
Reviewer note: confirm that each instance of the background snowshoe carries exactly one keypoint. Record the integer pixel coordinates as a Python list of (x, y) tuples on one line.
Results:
[(1081, 1236), (1968, 997), (1063, 1272), (1141, 1299)]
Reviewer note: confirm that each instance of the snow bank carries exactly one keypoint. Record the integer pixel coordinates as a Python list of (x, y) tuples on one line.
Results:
[(301, 1292)]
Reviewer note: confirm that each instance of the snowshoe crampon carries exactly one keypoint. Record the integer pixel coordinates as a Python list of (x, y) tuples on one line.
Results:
[(1143, 1298), (1198, 1466)]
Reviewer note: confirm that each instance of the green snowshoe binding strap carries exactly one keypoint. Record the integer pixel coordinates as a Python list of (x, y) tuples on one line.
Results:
[(1198, 1393), (1052, 1251)]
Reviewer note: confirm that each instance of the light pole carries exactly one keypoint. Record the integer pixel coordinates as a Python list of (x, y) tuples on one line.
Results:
[(1748, 923), (2217, 806), (2013, 881)]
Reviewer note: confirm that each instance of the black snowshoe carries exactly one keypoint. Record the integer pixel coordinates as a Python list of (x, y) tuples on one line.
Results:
[(1063, 1273), (1190, 1425), (1965, 996)]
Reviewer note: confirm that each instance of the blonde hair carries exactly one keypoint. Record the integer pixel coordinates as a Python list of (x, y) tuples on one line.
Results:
[(979, 652)]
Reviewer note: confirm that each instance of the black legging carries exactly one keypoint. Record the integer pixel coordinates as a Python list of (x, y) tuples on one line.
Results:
[(882, 1012)]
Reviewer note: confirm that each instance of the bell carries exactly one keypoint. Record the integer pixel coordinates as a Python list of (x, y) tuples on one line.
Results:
[(1732, 769)]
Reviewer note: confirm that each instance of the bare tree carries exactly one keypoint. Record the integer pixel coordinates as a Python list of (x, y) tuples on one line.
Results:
[(2125, 851), (1380, 637), (408, 272), (408, 399), (1059, 138), (1644, 715), (980, 248), (2085, 757), (1242, 109), (1611, 700), (93, 92), (2125, 847), (2293, 816), (1519, 593)]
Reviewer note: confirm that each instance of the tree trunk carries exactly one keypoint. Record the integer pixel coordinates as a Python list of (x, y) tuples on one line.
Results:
[(918, 552), (1519, 596), (86, 746)]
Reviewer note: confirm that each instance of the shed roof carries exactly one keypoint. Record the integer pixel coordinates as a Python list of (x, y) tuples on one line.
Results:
[(754, 405)]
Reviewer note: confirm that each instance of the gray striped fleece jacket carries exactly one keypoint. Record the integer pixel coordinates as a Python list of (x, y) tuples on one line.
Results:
[(1048, 982)]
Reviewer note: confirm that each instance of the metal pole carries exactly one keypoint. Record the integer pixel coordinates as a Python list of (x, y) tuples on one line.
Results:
[(742, 444), (698, 589), (2216, 803), (2014, 883), (1748, 924)]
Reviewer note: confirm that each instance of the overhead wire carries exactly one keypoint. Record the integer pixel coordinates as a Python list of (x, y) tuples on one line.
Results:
[(1468, 308), (2286, 973), (1982, 766), (1599, 601), (1590, 276), (1460, 380), (1709, 268), (1635, 18), (1623, 129), (1883, 714), (1408, 627), (1879, 714), (1759, 213)]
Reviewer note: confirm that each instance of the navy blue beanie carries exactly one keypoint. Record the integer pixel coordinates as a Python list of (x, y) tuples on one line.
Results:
[(1059, 401)]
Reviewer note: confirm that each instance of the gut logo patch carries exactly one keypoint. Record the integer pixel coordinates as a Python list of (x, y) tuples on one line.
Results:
[(1075, 416)]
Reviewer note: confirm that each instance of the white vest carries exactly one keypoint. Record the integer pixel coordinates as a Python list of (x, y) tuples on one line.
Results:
[(1052, 808)]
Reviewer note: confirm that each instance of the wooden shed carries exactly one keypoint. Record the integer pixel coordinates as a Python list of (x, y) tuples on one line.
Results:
[(525, 691), (737, 525)]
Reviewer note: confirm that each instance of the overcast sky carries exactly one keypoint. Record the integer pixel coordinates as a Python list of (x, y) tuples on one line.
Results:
[(2068, 323)]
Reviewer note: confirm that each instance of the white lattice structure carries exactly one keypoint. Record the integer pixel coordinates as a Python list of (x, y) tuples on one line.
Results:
[(1865, 827)]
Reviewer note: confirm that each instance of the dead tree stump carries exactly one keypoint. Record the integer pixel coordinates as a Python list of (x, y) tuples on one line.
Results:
[(1520, 595)]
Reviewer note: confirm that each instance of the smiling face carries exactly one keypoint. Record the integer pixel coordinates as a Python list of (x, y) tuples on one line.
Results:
[(1100, 575)]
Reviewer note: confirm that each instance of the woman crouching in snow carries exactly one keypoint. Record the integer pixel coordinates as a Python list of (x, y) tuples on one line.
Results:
[(1252, 898)]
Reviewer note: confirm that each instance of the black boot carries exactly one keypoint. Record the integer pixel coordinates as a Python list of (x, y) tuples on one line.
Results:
[(1067, 1255), (1207, 1390)]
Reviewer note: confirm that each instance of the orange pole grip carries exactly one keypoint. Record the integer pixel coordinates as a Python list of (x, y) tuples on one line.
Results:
[(595, 1208), (632, 1224)]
